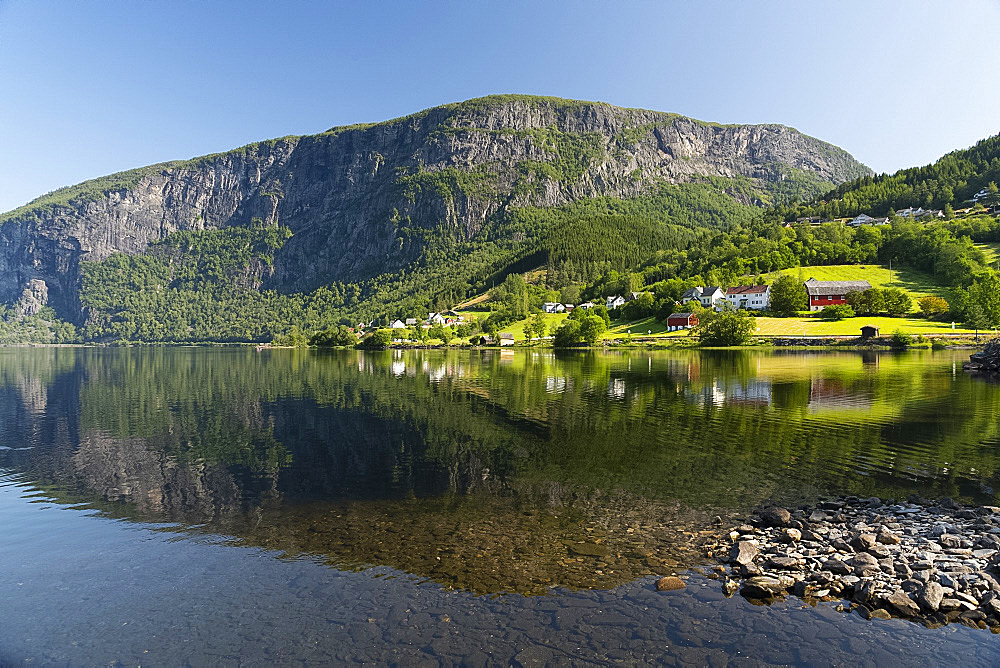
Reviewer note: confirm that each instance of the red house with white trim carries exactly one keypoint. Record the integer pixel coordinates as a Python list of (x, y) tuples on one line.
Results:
[(830, 293), (678, 321)]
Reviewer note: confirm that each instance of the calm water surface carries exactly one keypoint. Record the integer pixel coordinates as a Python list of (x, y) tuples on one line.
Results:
[(228, 507)]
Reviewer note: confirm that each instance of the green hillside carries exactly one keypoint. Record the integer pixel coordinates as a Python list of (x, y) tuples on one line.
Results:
[(950, 181)]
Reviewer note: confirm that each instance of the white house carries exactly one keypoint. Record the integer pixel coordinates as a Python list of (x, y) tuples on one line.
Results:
[(710, 297), (506, 339), (586, 305), (614, 302), (436, 319), (397, 324), (914, 214), (553, 307), (411, 322), (862, 219), (750, 297)]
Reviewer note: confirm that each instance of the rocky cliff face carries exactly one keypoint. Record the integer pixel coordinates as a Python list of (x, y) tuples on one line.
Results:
[(357, 198)]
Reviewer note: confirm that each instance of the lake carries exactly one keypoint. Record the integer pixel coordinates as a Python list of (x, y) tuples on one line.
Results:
[(222, 506)]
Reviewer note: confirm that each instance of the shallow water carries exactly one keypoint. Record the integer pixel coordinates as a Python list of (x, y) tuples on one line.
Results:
[(223, 506)]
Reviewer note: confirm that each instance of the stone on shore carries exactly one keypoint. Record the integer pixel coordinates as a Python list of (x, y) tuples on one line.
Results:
[(791, 535), (903, 604), (743, 552), (930, 596), (775, 517)]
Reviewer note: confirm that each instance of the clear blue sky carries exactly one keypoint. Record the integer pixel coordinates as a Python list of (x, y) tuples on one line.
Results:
[(90, 88)]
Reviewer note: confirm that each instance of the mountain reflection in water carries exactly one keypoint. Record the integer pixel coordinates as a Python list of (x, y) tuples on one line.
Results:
[(483, 471)]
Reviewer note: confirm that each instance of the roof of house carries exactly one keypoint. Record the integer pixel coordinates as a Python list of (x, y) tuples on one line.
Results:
[(816, 288), (747, 289), (506, 335), (686, 316), (699, 291)]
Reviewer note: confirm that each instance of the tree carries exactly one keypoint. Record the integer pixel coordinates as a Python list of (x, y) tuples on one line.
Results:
[(836, 312), (985, 293), (377, 340), (333, 337), (896, 301), (591, 328), (570, 294), (536, 327), (567, 334), (933, 307), (529, 329), (867, 302), (975, 318), (730, 328), (442, 333), (574, 331), (293, 339), (601, 311), (788, 296)]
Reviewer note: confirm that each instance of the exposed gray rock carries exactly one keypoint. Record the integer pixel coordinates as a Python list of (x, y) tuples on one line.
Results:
[(930, 596), (743, 552)]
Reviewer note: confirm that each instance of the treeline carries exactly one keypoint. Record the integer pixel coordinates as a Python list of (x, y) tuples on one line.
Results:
[(42, 327), (949, 182)]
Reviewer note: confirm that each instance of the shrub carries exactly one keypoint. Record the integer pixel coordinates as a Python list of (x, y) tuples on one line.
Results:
[(836, 312), (933, 307), (901, 339)]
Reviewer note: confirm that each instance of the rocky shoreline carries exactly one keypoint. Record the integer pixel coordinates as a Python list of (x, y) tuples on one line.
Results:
[(931, 562), (987, 361)]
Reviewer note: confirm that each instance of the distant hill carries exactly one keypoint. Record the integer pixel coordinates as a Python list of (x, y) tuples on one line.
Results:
[(394, 217), (953, 180)]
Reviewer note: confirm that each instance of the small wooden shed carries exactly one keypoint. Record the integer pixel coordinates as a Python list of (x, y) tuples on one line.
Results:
[(869, 332)]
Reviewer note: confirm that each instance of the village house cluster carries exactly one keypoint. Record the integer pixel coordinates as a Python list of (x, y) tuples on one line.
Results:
[(909, 213)]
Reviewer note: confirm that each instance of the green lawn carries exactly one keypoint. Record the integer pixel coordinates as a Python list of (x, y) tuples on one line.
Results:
[(852, 326), (917, 284), (991, 250), (552, 320)]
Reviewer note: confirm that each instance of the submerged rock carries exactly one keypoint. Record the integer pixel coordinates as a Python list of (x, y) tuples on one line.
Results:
[(670, 583)]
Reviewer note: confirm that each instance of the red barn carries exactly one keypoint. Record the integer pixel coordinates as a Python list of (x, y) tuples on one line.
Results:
[(681, 321), (829, 293)]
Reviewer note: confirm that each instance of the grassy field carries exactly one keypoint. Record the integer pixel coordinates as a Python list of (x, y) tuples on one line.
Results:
[(552, 320), (916, 283), (852, 326), (991, 251)]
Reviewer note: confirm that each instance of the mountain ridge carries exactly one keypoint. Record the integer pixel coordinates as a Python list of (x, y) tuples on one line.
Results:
[(365, 200)]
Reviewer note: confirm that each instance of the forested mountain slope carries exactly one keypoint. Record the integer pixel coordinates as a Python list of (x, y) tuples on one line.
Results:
[(404, 214), (953, 181)]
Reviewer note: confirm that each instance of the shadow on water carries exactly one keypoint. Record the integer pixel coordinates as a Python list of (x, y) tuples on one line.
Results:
[(487, 471)]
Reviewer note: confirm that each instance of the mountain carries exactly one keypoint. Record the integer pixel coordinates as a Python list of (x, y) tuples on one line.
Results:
[(405, 213)]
